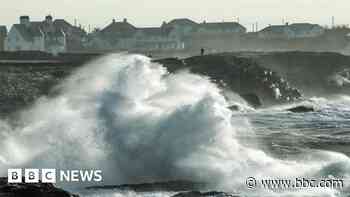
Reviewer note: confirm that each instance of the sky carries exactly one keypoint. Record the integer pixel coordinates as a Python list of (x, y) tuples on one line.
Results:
[(99, 13)]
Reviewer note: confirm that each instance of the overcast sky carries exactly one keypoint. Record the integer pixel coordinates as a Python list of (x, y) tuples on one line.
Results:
[(98, 13)]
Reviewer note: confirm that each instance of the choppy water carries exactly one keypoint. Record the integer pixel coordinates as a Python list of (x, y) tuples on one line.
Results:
[(284, 133), (137, 123)]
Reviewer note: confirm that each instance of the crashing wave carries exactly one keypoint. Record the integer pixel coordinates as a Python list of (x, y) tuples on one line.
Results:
[(138, 123)]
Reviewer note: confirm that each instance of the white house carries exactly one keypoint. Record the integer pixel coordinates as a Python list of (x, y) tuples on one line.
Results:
[(156, 38), (296, 30), (125, 36), (221, 28), (178, 34), (25, 36), (48, 35), (116, 36), (181, 27)]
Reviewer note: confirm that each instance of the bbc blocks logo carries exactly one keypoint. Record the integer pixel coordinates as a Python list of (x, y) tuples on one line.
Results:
[(53, 175)]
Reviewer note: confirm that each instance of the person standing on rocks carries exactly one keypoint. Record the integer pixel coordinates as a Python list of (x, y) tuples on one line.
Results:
[(202, 51)]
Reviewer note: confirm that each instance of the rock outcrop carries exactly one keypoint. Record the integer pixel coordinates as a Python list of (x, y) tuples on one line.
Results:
[(312, 73), (31, 190), (260, 78), (22, 85), (258, 85), (252, 99), (301, 109), (203, 194), (173, 186)]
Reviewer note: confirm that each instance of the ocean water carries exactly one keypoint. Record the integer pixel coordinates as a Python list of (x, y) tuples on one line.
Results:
[(138, 123), (328, 128)]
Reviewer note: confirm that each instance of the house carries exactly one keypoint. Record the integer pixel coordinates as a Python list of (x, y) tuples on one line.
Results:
[(3, 34), (25, 36), (217, 36), (276, 32), (296, 30), (182, 27), (75, 36), (47, 35), (125, 36), (178, 34), (221, 28), (118, 35), (157, 38), (306, 30)]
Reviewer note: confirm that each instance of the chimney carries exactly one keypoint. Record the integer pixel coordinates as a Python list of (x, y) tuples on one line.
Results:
[(164, 24), (24, 20), (48, 19), (204, 22), (287, 24), (113, 21), (125, 20)]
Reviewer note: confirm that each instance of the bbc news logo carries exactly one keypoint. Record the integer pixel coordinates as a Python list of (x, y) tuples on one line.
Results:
[(53, 175)]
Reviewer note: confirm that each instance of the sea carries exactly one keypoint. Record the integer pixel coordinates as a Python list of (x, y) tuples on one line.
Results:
[(136, 122)]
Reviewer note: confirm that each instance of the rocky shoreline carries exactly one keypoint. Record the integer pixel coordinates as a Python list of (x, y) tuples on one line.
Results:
[(180, 188), (31, 190), (259, 86), (263, 79)]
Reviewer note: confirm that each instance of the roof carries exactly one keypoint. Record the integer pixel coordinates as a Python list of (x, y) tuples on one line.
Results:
[(28, 33), (222, 25), (67, 27), (275, 29), (62, 23), (123, 29), (297, 27), (38, 29), (182, 21)]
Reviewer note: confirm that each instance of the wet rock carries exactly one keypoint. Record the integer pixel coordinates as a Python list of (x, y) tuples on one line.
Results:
[(241, 75), (206, 194), (252, 99), (31, 190), (157, 186), (311, 72), (234, 108), (301, 109)]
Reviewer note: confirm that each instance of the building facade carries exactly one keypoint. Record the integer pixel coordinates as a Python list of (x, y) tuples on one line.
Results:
[(221, 28), (306, 30), (3, 35), (48, 35), (293, 31), (124, 36), (178, 34)]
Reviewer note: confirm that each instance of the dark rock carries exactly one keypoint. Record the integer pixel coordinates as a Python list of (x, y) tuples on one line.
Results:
[(157, 186), (301, 109), (234, 108), (31, 190), (206, 194), (242, 75), (308, 71), (255, 73), (252, 99)]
